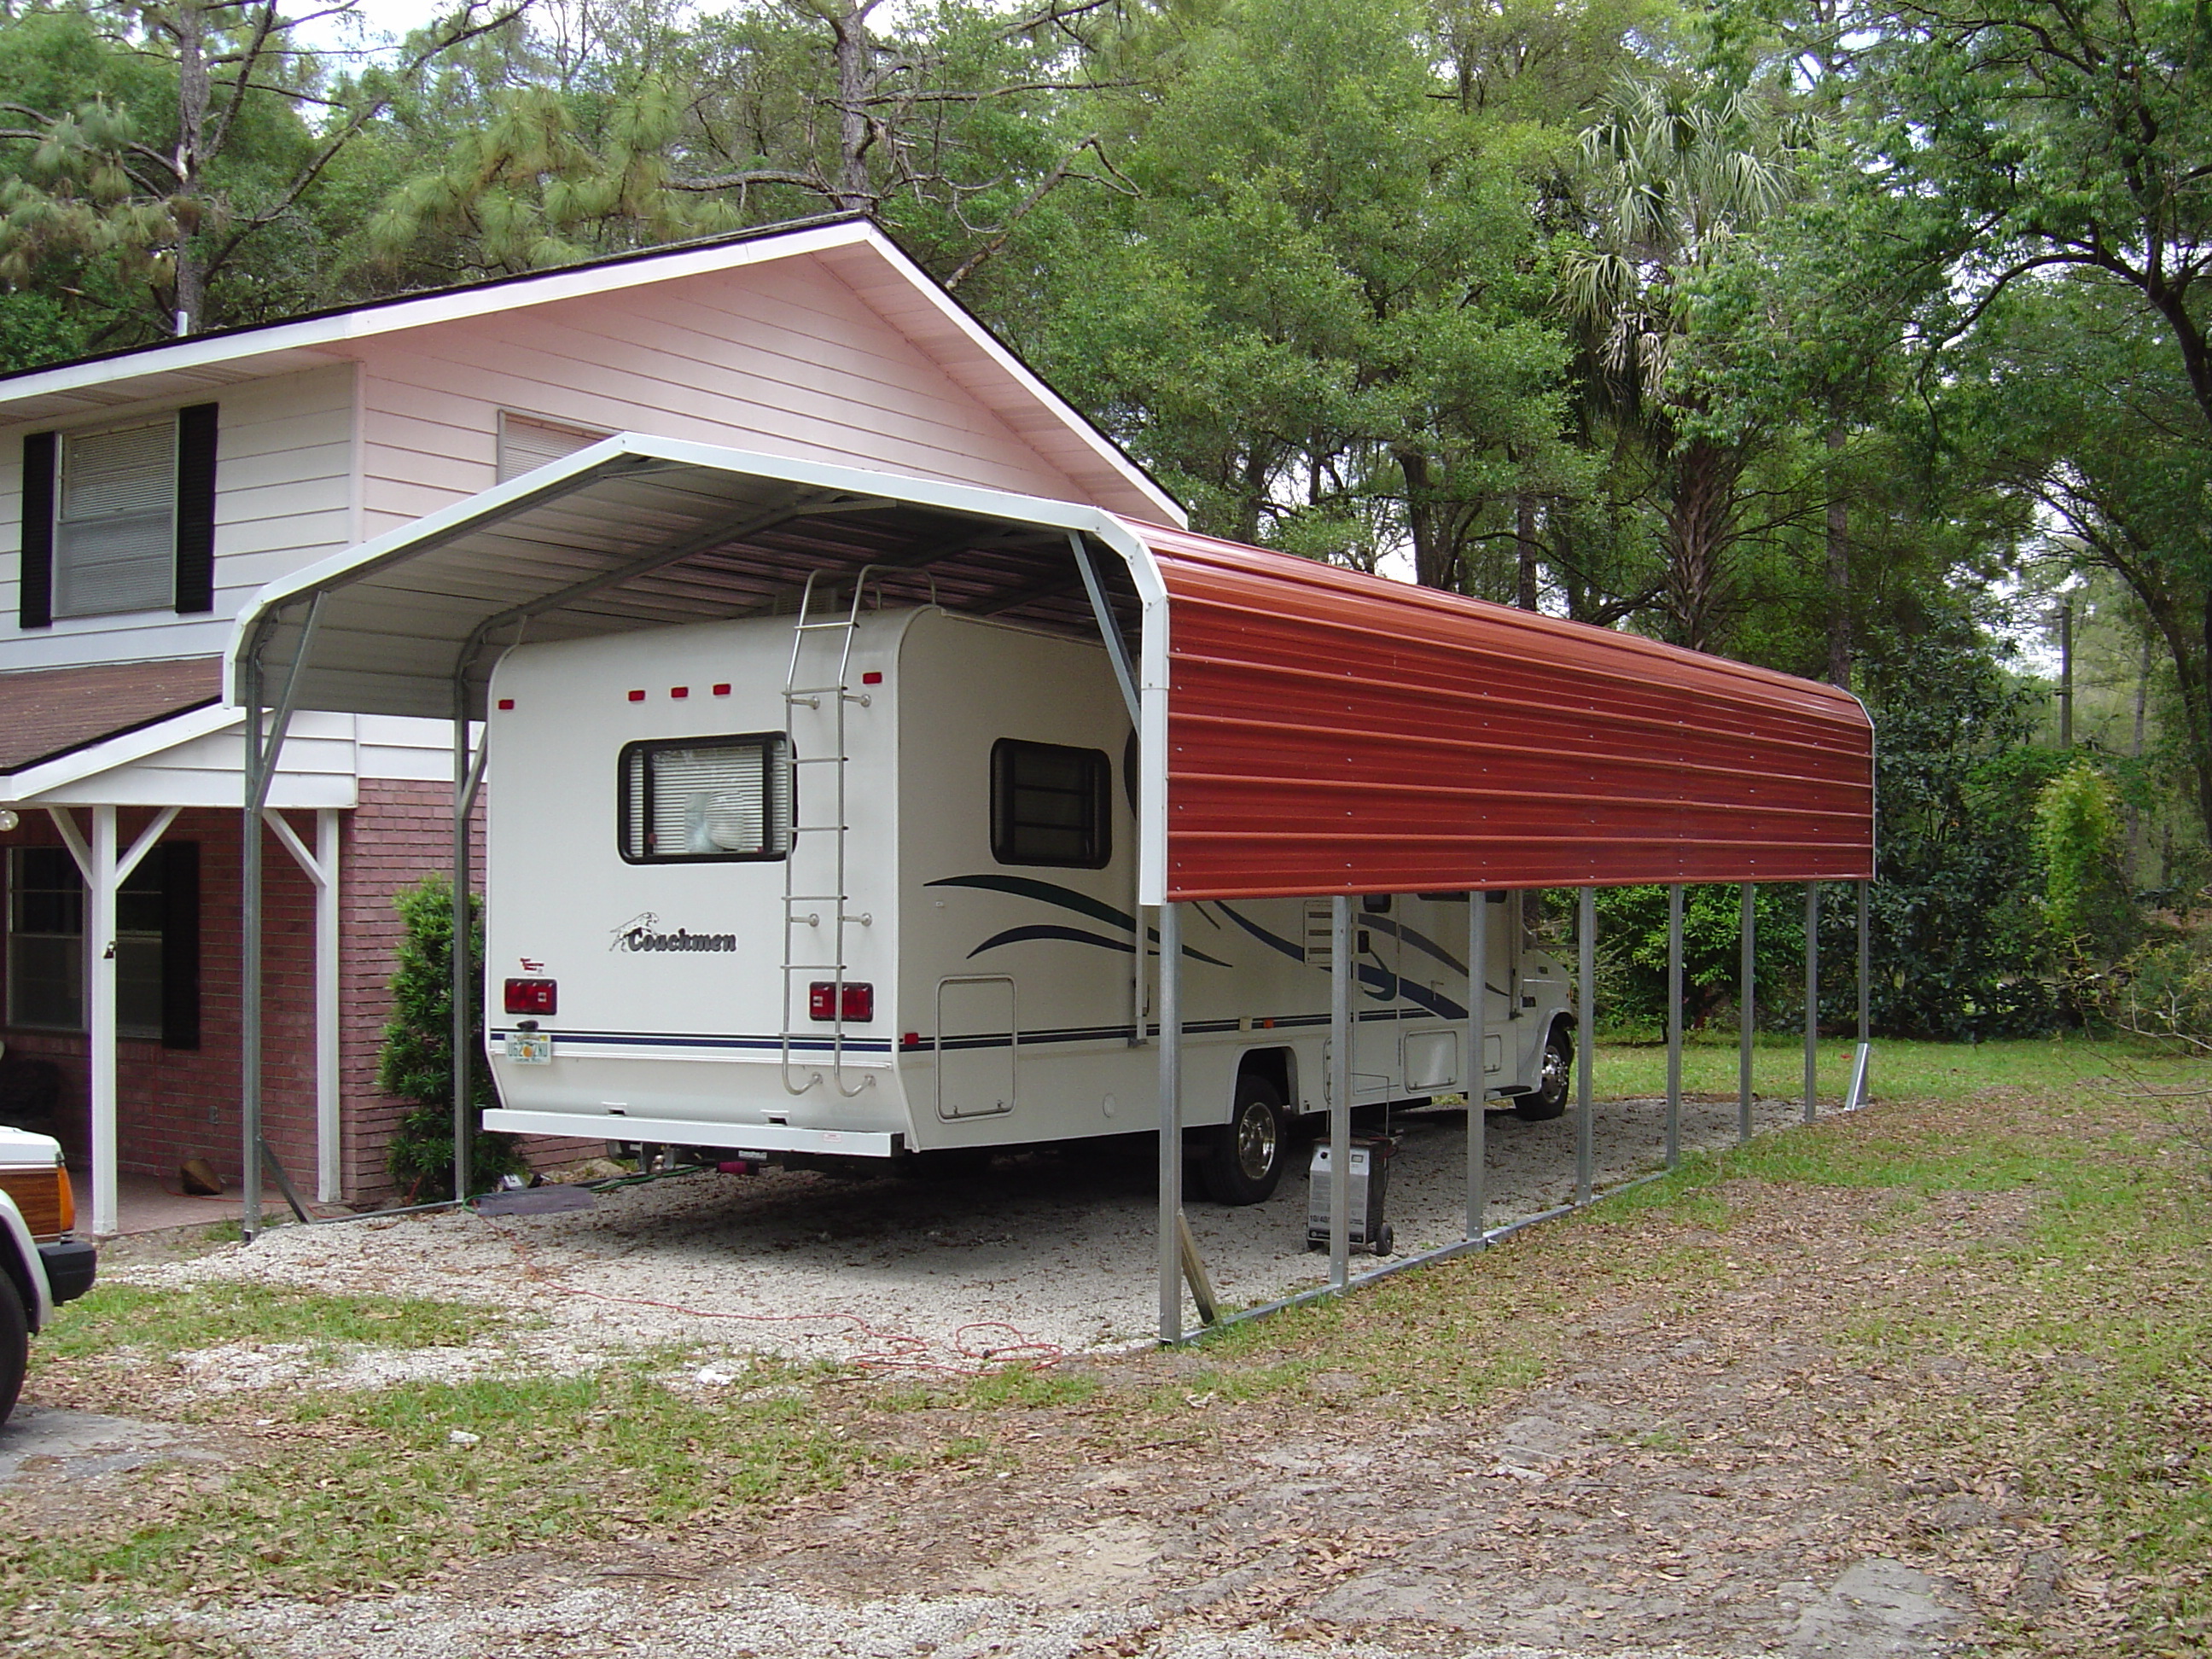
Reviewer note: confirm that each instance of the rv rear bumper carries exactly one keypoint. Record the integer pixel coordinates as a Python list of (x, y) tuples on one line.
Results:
[(680, 1132)]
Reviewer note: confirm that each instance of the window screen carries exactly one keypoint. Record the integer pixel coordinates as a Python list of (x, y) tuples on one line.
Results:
[(526, 445), (1048, 804), (115, 522), (704, 797)]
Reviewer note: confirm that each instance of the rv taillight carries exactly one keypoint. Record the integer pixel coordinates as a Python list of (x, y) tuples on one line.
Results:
[(532, 996), (859, 1000)]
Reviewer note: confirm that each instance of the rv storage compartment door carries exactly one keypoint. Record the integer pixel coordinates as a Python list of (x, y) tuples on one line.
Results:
[(976, 1045)]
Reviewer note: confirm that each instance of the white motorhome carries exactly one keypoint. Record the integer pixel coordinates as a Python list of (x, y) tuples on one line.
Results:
[(859, 883)]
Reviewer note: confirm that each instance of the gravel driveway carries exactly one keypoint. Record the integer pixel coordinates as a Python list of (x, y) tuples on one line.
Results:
[(1048, 1252)]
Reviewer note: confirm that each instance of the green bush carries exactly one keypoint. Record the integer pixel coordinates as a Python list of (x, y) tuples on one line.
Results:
[(416, 1061), (2077, 834)]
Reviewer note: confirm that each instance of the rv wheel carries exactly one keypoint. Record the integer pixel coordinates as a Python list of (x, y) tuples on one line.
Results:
[(1244, 1157), (1550, 1098)]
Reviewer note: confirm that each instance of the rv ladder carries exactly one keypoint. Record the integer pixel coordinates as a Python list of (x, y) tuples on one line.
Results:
[(812, 911)]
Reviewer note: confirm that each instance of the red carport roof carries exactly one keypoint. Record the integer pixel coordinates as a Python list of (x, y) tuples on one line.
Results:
[(1330, 731)]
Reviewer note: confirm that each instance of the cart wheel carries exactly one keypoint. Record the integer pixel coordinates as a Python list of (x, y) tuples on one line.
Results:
[(1550, 1099), (1384, 1239)]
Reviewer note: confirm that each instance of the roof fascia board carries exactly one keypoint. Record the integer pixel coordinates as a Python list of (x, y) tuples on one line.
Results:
[(960, 318), (131, 747), (324, 333)]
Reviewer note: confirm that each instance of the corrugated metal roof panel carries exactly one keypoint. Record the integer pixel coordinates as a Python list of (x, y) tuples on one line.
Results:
[(1330, 733)]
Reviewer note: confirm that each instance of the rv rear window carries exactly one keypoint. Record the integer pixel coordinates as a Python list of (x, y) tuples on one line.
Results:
[(692, 799), (1050, 805)]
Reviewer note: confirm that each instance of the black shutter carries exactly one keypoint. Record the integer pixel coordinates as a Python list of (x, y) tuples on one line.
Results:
[(196, 434), (180, 943), (34, 606)]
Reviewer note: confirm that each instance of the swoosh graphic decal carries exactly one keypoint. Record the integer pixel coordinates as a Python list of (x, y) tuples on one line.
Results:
[(1074, 935), (1295, 953), (1418, 941), (1051, 892)]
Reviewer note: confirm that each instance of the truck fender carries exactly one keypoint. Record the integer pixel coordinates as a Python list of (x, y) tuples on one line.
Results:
[(19, 1255)]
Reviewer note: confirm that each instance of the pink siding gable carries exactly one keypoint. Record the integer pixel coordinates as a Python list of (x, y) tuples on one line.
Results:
[(781, 356)]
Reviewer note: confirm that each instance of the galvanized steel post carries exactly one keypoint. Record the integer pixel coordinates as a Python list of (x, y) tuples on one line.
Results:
[(1747, 990), (1171, 1119), (1674, 1025), (1341, 970), (249, 961), (1478, 1041), (1585, 1037), (1811, 1000), (458, 957), (1866, 985)]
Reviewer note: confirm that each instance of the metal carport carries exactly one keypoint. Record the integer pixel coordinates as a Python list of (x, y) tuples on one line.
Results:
[(1303, 730)]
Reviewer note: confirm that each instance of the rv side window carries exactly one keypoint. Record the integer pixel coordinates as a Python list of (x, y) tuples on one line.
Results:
[(1050, 805), (692, 799)]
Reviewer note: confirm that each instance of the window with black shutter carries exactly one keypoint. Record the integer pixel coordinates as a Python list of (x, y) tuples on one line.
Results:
[(119, 519)]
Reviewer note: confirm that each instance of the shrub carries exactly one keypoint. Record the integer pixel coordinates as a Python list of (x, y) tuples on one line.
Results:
[(416, 1061)]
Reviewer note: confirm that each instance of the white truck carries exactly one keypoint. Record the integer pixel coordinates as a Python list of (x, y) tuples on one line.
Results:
[(861, 884), (41, 1265)]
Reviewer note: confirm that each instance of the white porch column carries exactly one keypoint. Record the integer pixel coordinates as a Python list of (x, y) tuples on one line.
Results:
[(104, 872), (99, 883)]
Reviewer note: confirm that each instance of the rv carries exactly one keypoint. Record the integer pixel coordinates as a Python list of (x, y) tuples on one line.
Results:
[(851, 883)]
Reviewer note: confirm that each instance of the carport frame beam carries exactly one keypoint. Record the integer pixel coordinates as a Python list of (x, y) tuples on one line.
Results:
[(1170, 1194)]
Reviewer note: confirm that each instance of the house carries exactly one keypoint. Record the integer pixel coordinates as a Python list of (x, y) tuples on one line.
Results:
[(150, 492)]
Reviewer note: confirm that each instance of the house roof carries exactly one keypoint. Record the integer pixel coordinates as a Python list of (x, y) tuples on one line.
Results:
[(47, 713), (852, 247)]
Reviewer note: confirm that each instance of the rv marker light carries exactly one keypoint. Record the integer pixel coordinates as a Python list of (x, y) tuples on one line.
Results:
[(507, 702), (859, 1000), (871, 678), (637, 696), (532, 996), (679, 690), (722, 690)]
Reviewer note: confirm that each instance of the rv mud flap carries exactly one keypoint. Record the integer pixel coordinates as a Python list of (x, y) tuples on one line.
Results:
[(680, 1132)]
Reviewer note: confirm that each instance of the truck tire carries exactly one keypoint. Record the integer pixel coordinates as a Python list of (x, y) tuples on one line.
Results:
[(1243, 1158), (1550, 1097), (14, 1344)]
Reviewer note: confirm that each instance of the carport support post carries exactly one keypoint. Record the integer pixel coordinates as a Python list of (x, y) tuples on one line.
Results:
[(1478, 1076), (468, 772), (1341, 970), (1674, 1025), (1866, 988), (1585, 1037), (1811, 1000), (1746, 989), (1171, 1119)]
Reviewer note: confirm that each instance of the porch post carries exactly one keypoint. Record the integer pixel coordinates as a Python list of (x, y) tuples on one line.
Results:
[(1748, 927), (100, 953), (257, 764), (329, 1181), (1586, 1038), (1171, 1194), (1478, 1077), (1674, 1025), (1341, 970)]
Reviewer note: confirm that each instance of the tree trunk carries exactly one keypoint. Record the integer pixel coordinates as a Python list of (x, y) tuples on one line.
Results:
[(849, 31), (1433, 563), (1528, 550), (1698, 521), (193, 92), (1839, 568)]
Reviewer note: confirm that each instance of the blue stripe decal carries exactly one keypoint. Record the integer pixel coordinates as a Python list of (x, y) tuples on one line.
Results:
[(1295, 953), (1067, 899)]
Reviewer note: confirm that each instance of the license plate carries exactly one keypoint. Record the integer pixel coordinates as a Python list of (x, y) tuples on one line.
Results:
[(530, 1048)]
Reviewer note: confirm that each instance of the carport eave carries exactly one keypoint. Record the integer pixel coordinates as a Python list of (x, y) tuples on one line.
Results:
[(626, 458)]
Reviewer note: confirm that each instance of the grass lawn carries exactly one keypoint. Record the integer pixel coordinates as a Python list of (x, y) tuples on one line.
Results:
[(2029, 1318)]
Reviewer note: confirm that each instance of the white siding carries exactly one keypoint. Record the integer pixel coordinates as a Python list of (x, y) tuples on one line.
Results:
[(283, 493), (784, 358)]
